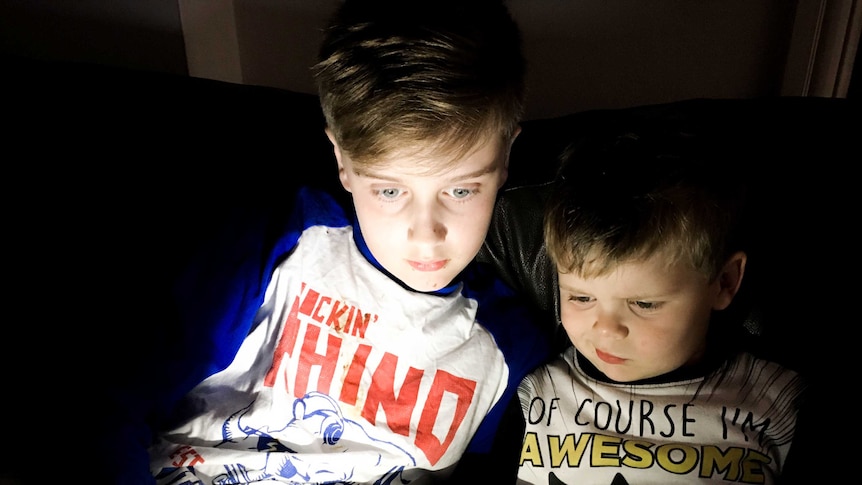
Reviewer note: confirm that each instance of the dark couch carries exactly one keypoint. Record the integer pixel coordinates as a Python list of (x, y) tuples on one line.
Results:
[(113, 174)]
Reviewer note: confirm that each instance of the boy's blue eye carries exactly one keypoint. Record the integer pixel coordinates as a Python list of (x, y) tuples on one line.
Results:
[(460, 192), (390, 193), (580, 299)]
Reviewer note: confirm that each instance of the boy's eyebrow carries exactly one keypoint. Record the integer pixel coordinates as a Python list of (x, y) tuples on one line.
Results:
[(647, 296), (488, 168), (571, 289)]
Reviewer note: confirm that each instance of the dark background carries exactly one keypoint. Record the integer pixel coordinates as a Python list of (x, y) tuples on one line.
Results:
[(589, 54)]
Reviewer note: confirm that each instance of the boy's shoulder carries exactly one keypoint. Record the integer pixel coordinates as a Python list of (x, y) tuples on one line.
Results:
[(514, 321)]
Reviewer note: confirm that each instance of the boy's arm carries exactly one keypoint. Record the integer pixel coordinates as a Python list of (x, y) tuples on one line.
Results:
[(182, 325), (525, 342), (189, 323), (500, 464), (186, 323), (807, 453)]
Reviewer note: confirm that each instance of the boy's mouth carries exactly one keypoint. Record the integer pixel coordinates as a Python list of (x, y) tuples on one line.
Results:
[(428, 265), (609, 358)]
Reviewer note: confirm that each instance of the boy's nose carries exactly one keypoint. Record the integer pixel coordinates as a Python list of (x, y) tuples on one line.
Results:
[(427, 226), (610, 325)]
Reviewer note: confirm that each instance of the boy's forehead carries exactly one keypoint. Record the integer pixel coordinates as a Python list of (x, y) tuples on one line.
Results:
[(657, 272), (487, 156)]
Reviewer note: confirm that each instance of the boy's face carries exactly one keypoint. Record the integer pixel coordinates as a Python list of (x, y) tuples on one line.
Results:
[(424, 226), (643, 319)]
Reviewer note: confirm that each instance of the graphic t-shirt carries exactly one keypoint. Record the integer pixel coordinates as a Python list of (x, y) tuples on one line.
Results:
[(735, 427), (347, 377)]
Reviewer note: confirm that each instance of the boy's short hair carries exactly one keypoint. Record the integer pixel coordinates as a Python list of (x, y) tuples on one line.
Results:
[(641, 193), (444, 73)]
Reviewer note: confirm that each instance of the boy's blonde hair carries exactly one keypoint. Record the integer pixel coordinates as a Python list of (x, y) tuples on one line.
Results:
[(642, 194), (405, 75)]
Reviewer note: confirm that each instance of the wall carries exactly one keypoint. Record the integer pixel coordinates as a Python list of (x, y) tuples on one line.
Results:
[(594, 54), (140, 34), (585, 54)]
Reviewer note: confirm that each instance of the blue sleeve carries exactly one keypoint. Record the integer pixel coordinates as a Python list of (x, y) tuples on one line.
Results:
[(205, 314), (517, 329)]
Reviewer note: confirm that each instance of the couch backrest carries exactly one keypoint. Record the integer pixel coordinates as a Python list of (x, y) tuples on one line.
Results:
[(110, 162)]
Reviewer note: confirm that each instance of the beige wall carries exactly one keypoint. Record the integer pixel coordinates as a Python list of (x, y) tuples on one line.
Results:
[(584, 54), (139, 34), (590, 54)]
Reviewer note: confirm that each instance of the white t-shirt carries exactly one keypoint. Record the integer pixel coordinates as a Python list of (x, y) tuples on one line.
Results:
[(345, 376), (735, 427)]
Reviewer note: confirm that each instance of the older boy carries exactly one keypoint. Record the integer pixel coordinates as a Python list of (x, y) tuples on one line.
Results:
[(643, 232), (357, 342)]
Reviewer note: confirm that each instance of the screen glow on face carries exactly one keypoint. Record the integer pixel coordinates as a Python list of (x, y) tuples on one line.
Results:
[(424, 228), (641, 320)]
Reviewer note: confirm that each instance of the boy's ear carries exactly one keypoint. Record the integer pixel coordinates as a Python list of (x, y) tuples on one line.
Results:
[(505, 174), (515, 134), (342, 175), (512, 142), (729, 279)]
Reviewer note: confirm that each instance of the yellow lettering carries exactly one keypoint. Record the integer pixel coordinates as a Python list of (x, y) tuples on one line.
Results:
[(716, 462), (638, 454), (606, 451), (569, 449), (530, 450), (680, 467), (752, 467)]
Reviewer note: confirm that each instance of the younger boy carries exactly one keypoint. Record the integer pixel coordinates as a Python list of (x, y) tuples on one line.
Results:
[(644, 235), (358, 343)]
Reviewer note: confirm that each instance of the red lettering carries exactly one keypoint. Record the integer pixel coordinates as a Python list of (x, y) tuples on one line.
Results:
[(317, 316), (310, 301), (381, 394), (183, 453), (350, 388), (334, 315), (397, 409), (285, 342), (309, 358), (443, 382), (360, 323)]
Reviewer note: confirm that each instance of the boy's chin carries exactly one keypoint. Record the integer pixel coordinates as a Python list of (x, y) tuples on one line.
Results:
[(427, 286), (428, 282)]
